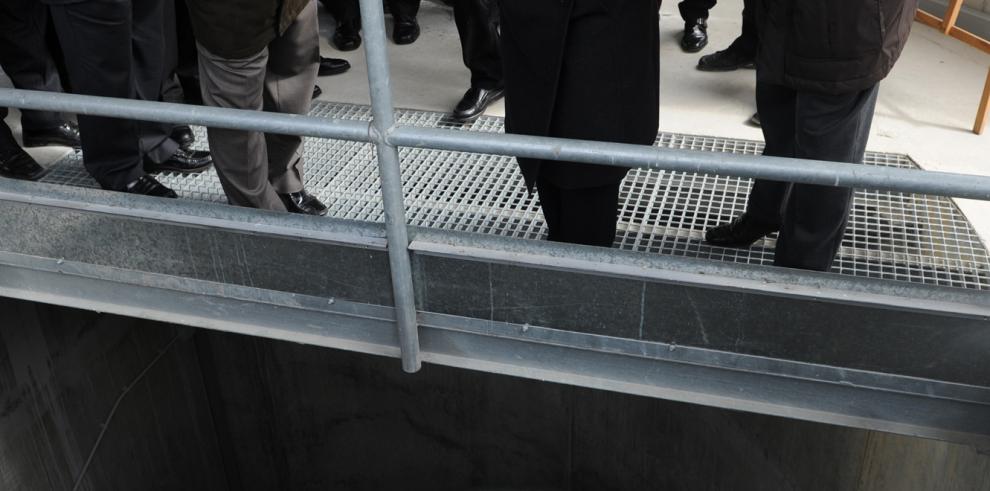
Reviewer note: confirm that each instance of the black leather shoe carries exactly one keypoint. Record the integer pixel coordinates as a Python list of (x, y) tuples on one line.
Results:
[(405, 30), (149, 186), (347, 37), (755, 120), (182, 161), (742, 231), (304, 203), (65, 134), (317, 91), (15, 163), (726, 60), (332, 66), (184, 136), (695, 36), (474, 103)]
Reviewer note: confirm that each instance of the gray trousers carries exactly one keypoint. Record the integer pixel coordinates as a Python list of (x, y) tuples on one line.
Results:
[(254, 167)]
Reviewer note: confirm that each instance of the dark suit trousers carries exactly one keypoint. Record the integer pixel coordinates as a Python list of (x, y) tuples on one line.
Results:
[(25, 57), (477, 26), (113, 49), (580, 216), (692, 10), (349, 10), (813, 126)]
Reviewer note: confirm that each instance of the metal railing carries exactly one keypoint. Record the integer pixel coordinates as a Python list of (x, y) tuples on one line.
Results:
[(387, 137)]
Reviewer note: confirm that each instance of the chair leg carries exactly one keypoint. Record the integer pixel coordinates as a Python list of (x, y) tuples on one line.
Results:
[(984, 113), (951, 14)]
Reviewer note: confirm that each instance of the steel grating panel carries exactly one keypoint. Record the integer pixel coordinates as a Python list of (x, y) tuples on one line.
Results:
[(895, 236)]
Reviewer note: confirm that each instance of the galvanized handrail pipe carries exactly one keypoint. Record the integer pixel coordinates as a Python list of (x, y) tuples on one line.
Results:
[(390, 174), (617, 154), (167, 112)]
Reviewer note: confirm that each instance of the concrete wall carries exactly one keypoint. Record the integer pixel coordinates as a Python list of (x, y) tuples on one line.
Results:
[(220, 411), (61, 372)]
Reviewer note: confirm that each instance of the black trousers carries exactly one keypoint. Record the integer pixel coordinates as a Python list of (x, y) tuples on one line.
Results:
[(116, 49), (580, 216), (477, 26), (806, 125), (747, 41), (26, 58), (349, 11), (693, 10)]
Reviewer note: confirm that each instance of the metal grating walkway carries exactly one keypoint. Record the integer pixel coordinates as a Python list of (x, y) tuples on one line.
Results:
[(922, 239)]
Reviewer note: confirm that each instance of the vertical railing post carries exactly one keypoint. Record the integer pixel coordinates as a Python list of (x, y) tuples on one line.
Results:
[(379, 81)]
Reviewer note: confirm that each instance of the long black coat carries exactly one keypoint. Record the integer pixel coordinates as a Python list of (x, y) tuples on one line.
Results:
[(586, 69), (831, 46)]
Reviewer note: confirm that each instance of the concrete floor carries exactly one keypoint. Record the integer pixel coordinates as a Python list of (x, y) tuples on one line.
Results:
[(926, 106)]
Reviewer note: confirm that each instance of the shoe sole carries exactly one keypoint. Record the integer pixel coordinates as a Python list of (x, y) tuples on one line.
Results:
[(693, 50), (35, 177), (160, 169), (50, 143)]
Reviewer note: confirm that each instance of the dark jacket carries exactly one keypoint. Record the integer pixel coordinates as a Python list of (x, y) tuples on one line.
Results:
[(240, 28), (831, 46), (585, 69)]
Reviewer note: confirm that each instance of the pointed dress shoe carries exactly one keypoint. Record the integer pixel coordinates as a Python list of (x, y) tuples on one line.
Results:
[(695, 36), (15, 163), (347, 36), (726, 60), (182, 161), (743, 231), (332, 66), (303, 203), (149, 186), (65, 134), (474, 103), (405, 30)]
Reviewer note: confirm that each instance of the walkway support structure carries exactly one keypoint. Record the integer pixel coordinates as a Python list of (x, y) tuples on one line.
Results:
[(900, 357)]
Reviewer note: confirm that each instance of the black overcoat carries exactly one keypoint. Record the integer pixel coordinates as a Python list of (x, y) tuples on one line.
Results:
[(831, 46), (586, 69)]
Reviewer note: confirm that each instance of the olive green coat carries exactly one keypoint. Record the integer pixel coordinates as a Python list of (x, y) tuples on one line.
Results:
[(240, 28)]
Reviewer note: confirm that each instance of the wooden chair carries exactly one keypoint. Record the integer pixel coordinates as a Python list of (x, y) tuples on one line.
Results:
[(948, 27)]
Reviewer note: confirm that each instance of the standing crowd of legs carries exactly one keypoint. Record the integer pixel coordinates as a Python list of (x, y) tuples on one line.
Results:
[(582, 69)]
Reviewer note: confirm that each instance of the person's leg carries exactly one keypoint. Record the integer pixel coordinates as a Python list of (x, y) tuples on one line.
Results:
[(477, 27), (25, 57), (240, 157), (96, 39), (405, 27), (347, 33), (829, 127), (766, 198), (777, 106), (695, 15), (580, 216), (292, 64), (154, 60)]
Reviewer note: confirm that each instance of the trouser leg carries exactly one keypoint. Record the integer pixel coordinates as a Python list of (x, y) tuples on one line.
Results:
[(343, 10), (26, 59), (404, 9), (477, 26), (776, 105), (834, 128), (240, 157), (747, 41), (580, 216), (96, 38), (292, 66), (692, 10), (154, 60)]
